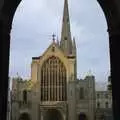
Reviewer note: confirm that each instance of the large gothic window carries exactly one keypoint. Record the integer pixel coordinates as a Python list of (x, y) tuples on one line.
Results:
[(53, 80)]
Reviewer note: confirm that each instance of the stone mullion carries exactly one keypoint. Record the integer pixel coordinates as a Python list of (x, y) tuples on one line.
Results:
[(65, 85), (57, 80), (63, 91), (60, 82), (43, 85), (46, 80), (56, 83), (49, 80), (56, 77), (52, 82)]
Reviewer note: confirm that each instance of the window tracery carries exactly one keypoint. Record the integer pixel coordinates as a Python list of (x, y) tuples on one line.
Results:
[(53, 80)]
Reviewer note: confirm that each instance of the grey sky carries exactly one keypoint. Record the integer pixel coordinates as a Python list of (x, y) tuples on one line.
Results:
[(36, 20)]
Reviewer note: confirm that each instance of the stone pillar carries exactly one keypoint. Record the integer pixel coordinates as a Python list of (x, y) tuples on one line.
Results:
[(41, 116), (64, 117), (49, 82)]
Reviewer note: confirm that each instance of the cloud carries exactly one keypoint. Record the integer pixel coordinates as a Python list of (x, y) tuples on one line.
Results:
[(35, 21)]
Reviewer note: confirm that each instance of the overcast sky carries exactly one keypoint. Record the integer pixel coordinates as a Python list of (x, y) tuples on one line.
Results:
[(36, 20)]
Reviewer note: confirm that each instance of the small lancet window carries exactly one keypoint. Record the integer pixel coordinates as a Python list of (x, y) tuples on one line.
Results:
[(98, 104), (65, 38), (25, 96), (106, 104)]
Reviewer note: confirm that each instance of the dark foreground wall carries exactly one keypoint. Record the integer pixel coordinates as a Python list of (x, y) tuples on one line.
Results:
[(111, 10), (7, 10)]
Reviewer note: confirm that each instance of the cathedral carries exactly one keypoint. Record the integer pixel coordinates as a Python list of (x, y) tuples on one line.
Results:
[(54, 92)]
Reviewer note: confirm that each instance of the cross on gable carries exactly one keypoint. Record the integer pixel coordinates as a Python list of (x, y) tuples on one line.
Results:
[(53, 37)]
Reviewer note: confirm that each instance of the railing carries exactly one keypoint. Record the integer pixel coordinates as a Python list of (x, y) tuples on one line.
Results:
[(53, 103)]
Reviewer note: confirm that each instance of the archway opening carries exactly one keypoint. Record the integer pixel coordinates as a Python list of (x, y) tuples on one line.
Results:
[(24, 116), (40, 41), (53, 114), (82, 116)]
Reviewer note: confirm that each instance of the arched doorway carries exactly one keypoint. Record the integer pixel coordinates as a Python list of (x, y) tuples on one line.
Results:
[(82, 116), (53, 114), (24, 116)]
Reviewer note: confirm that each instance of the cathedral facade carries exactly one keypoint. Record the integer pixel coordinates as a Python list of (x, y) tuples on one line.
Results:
[(54, 92)]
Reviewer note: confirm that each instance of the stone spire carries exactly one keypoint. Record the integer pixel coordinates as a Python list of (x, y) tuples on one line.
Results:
[(66, 42)]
